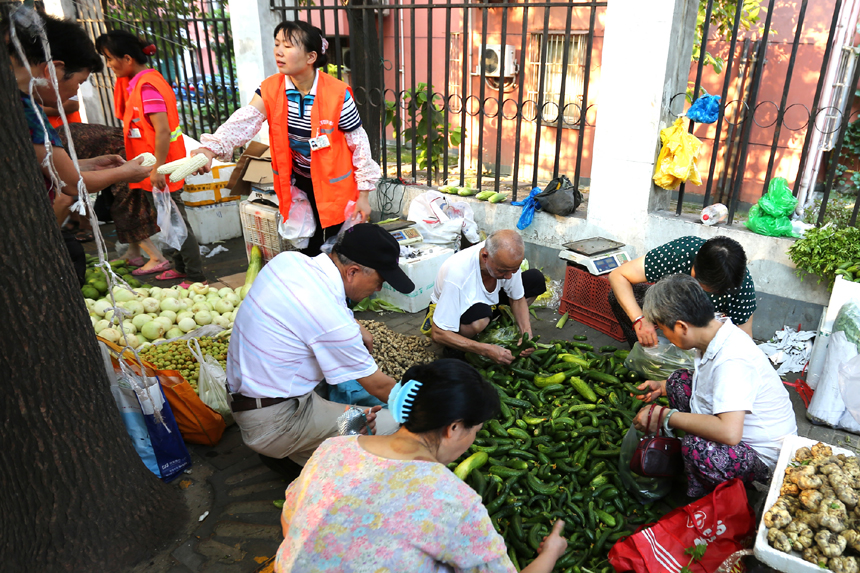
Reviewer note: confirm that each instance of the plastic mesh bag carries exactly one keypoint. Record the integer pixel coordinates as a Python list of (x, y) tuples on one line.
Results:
[(645, 489), (848, 321), (658, 362), (212, 382)]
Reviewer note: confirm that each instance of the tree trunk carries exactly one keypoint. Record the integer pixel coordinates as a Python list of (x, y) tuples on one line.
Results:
[(367, 72), (75, 494)]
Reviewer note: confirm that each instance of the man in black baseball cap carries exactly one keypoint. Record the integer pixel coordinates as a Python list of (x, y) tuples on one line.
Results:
[(293, 330), (372, 247)]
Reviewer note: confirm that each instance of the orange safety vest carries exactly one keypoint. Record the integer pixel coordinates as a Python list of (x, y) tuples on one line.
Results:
[(129, 108), (57, 122), (332, 171)]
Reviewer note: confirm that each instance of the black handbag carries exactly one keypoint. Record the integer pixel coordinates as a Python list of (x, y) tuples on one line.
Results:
[(560, 197)]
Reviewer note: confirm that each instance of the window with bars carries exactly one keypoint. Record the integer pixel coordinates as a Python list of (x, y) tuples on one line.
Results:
[(555, 103), (455, 70)]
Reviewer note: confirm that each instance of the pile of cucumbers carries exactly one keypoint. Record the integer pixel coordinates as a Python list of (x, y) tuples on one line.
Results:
[(553, 452), (849, 270), (490, 196)]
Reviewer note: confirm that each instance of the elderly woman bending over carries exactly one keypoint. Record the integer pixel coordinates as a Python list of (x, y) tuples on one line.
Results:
[(733, 406), (374, 503)]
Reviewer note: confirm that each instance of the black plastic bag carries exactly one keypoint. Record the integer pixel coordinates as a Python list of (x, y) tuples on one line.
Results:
[(560, 197)]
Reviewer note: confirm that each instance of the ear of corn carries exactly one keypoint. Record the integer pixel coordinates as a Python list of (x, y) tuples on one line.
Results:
[(147, 157), (498, 198), (169, 168), (190, 165), (484, 195)]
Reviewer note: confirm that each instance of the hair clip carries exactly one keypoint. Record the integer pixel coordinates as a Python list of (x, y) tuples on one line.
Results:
[(149, 50), (401, 398), (324, 45)]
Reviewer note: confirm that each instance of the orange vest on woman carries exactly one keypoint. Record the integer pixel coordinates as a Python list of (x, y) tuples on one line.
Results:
[(332, 171), (57, 122), (129, 108)]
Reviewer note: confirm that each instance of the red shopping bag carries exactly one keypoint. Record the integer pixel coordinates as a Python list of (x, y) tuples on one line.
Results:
[(723, 519)]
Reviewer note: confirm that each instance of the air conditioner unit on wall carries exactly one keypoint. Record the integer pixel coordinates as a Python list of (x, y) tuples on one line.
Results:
[(493, 61)]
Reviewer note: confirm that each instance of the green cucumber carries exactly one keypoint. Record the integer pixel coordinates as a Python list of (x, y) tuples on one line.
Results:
[(473, 462)]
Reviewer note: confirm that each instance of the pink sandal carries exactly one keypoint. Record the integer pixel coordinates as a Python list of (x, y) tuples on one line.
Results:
[(170, 275), (156, 269), (186, 284)]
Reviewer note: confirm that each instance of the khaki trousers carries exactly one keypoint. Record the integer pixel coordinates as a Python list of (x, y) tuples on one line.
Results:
[(296, 427)]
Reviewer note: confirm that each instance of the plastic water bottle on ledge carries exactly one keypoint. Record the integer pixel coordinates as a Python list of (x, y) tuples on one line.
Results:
[(713, 214)]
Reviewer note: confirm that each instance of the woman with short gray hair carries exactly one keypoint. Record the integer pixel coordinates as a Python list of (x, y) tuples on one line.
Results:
[(733, 407)]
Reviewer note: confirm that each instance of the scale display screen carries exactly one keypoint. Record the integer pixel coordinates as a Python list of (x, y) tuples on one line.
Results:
[(605, 265)]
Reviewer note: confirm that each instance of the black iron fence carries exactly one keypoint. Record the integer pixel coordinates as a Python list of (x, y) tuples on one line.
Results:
[(746, 114), (194, 52), (460, 87)]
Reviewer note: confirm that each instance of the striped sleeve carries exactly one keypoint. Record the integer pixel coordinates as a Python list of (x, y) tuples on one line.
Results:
[(349, 118), (341, 354)]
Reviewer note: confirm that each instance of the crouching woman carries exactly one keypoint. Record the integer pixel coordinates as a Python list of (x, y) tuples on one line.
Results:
[(733, 407), (369, 503)]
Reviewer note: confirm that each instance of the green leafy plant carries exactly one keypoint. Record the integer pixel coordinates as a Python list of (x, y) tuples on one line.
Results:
[(696, 553), (839, 210), (426, 127), (822, 250)]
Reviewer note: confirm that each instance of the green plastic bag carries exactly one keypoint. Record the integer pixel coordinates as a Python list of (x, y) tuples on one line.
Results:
[(778, 201), (763, 224)]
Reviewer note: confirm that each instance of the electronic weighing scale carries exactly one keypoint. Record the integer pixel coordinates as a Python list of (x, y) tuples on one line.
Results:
[(403, 231), (598, 255)]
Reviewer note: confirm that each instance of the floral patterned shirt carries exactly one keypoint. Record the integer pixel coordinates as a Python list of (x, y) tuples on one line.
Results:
[(352, 511)]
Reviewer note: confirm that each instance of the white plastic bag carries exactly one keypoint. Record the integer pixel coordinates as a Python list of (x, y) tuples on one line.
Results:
[(827, 405), (849, 384), (349, 221), (300, 227), (429, 212), (173, 231), (212, 382)]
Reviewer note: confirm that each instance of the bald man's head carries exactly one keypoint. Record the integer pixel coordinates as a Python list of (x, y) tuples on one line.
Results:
[(505, 251)]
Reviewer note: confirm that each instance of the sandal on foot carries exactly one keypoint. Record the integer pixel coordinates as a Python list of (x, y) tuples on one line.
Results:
[(84, 236), (170, 275), (187, 285), (136, 262), (156, 269)]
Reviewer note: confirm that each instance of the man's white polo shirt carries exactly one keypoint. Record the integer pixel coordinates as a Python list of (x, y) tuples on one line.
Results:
[(293, 329)]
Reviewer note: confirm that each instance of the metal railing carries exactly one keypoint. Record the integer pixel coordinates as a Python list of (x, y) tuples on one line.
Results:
[(406, 89), (741, 118), (194, 53)]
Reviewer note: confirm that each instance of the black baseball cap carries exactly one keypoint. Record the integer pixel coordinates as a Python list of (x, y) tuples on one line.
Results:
[(371, 246)]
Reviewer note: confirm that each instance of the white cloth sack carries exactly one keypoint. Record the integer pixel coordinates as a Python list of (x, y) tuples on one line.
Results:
[(173, 231), (300, 227), (441, 221), (849, 384), (827, 405)]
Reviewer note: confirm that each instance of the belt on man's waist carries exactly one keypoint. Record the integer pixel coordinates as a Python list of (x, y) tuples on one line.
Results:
[(244, 403)]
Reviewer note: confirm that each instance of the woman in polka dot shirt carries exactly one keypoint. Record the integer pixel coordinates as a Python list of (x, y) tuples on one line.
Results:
[(719, 264)]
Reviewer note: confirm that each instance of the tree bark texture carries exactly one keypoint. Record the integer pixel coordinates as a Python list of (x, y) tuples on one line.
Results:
[(75, 494), (367, 73)]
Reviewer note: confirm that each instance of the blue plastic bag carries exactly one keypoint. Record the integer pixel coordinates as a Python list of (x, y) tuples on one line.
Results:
[(353, 393), (148, 420), (706, 109), (529, 205)]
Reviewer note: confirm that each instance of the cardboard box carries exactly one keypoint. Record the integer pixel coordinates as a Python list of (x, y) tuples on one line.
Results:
[(422, 271), (255, 166)]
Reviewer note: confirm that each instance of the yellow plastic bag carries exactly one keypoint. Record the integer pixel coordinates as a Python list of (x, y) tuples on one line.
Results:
[(677, 160)]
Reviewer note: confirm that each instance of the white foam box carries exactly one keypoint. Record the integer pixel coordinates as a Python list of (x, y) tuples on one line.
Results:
[(787, 562), (422, 271), (218, 222)]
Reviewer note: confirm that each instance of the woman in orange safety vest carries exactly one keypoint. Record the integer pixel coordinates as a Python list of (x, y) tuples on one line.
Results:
[(150, 121), (317, 142)]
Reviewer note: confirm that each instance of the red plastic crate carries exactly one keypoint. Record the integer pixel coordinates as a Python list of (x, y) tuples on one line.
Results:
[(585, 299)]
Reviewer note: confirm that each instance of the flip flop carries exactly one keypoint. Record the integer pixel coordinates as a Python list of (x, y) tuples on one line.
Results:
[(84, 236), (170, 275), (135, 262), (156, 269), (186, 284)]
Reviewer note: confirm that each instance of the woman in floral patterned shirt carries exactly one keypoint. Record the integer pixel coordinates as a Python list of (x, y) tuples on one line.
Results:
[(389, 503)]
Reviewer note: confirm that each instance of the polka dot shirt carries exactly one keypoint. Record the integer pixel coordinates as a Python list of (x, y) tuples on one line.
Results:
[(677, 257)]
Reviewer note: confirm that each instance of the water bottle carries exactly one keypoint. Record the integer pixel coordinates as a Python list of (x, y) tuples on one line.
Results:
[(713, 214)]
